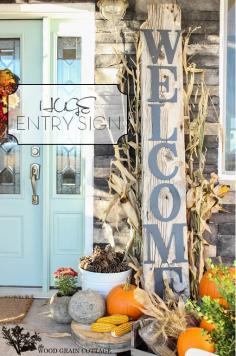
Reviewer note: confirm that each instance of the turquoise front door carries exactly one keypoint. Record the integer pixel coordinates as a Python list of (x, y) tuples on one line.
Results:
[(39, 234)]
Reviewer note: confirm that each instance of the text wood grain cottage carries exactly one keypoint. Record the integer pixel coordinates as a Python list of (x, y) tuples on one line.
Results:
[(164, 205)]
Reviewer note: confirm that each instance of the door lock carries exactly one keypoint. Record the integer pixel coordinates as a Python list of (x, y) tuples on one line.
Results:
[(35, 151), (34, 176)]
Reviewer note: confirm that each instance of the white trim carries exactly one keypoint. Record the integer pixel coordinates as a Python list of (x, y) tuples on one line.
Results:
[(89, 191), (46, 165), (38, 11), (224, 177), (85, 15)]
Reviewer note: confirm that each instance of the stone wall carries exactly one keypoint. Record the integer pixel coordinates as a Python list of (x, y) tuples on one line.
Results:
[(108, 40), (204, 51)]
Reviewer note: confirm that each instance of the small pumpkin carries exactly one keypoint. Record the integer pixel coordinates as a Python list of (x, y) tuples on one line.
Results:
[(208, 287), (194, 338), (206, 325), (121, 300)]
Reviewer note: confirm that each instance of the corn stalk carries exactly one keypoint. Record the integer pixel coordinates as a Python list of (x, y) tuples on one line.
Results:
[(125, 174), (203, 195)]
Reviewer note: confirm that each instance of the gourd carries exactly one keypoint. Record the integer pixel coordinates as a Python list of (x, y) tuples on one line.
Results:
[(102, 327), (208, 287), (86, 306), (122, 329), (194, 338), (114, 319), (121, 300)]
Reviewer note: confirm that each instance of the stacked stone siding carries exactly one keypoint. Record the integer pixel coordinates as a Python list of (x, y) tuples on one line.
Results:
[(204, 51)]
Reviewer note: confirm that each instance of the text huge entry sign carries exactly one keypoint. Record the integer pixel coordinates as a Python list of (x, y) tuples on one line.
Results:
[(163, 151)]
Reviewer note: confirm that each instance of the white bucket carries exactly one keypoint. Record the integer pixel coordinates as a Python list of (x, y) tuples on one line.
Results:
[(102, 282)]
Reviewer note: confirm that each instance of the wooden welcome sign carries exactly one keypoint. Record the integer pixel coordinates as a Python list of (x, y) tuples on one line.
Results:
[(163, 152)]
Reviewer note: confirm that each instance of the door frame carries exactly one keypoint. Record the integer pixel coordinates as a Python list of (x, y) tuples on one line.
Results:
[(85, 14)]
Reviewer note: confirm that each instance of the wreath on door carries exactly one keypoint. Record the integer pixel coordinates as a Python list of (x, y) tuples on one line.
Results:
[(8, 85)]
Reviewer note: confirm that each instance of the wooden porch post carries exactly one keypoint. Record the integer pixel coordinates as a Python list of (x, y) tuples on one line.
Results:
[(163, 151)]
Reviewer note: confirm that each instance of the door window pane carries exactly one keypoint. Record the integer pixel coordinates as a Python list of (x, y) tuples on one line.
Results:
[(9, 150), (68, 158), (9, 168), (69, 60), (10, 54), (230, 136), (68, 169)]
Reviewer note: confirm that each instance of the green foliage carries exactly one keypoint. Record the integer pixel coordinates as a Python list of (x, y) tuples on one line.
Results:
[(224, 283), (67, 285), (223, 318)]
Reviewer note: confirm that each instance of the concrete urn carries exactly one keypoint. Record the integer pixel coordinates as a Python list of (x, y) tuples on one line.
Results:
[(59, 309), (86, 306)]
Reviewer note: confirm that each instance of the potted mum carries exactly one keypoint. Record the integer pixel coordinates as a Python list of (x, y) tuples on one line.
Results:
[(66, 281), (103, 270)]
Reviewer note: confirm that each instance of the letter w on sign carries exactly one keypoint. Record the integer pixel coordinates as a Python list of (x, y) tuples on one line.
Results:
[(163, 151)]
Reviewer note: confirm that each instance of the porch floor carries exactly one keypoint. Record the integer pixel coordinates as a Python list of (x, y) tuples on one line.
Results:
[(21, 291), (38, 320)]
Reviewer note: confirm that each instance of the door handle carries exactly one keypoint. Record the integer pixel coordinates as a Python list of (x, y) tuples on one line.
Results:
[(34, 176)]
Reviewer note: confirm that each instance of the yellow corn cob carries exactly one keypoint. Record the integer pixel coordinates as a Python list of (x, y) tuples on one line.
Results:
[(122, 329), (114, 319), (102, 327)]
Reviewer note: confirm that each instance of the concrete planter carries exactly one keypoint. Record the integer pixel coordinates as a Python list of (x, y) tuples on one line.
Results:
[(59, 309), (102, 282)]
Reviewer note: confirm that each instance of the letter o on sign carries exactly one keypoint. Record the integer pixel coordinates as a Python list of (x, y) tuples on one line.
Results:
[(154, 202)]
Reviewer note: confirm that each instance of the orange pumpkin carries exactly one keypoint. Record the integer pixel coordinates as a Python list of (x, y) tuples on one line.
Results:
[(194, 338), (207, 287), (121, 300), (207, 326)]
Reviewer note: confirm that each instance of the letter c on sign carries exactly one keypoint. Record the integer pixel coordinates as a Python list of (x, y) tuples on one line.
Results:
[(152, 160), (154, 202)]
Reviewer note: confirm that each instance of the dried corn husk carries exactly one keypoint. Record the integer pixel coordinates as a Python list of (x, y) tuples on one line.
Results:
[(125, 176), (203, 196), (166, 320)]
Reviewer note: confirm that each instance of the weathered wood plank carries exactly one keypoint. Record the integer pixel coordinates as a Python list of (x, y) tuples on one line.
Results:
[(165, 211)]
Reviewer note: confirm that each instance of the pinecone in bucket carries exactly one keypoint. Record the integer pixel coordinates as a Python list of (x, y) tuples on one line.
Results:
[(104, 260)]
